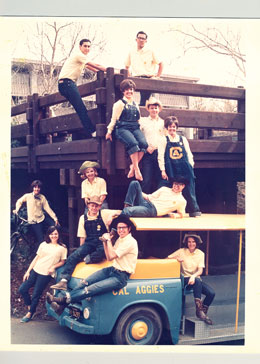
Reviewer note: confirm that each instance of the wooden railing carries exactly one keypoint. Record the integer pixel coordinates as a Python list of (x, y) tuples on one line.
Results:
[(36, 152)]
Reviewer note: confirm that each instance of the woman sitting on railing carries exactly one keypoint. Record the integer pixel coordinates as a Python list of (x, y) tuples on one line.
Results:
[(125, 120), (175, 159)]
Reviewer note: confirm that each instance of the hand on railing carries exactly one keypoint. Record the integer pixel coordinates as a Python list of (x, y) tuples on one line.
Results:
[(109, 136)]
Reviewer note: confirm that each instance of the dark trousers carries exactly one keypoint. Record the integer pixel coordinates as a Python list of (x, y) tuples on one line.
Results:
[(39, 282), (151, 172), (199, 288), (40, 229), (102, 281), (69, 89), (92, 247)]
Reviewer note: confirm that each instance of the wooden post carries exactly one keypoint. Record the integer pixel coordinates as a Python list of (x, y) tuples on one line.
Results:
[(29, 137), (241, 107), (72, 204), (110, 100), (36, 116), (101, 116)]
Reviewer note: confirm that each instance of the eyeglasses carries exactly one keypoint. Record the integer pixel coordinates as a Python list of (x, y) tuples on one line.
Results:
[(140, 38), (122, 227)]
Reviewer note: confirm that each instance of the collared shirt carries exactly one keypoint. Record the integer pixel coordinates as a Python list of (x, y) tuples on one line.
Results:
[(166, 201), (162, 147), (142, 62), (191, 261), (126, 250), (153, 130), (97, 188), (35, 206), (73, 66), (118, 107), (49, 254)]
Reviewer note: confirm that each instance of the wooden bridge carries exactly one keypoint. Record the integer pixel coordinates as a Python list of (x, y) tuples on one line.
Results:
[(37, 151)]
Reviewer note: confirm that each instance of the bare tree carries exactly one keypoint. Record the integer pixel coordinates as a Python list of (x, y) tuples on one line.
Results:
[(224, 41)]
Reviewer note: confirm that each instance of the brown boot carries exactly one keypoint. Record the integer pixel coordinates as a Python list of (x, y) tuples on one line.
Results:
[(50, 298), (207, 319), (61, 285), (58, 308), (199, 311)]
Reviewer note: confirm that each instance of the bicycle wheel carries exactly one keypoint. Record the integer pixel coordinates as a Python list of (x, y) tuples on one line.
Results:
[(14, 241)]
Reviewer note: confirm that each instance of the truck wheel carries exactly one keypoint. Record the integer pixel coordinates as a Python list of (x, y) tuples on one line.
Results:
[(139, 325)]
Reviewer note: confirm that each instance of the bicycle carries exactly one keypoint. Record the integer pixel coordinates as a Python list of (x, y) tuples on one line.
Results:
[(20, 234)]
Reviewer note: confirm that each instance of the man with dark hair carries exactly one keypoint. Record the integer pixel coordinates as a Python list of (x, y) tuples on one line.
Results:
[(124, 256), (143, 62), (163, 201), (69, 74), (36, 204)]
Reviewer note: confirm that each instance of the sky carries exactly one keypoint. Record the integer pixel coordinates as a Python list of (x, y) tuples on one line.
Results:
[(120, 34)]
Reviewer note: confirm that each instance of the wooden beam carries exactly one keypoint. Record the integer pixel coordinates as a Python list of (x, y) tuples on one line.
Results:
[(204, 119), (19, 109), (185, 88), (216, 146), (74, 147)]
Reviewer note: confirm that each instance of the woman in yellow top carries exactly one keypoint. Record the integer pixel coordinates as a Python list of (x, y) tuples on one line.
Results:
[(192, 262)]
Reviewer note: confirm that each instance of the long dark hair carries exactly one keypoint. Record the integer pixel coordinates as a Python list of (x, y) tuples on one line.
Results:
[(50, 230)]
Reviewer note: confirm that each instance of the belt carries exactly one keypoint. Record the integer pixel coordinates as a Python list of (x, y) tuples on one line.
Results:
[(61, 80)]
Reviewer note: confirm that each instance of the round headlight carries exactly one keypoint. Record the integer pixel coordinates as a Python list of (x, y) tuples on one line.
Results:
[(86, 313)]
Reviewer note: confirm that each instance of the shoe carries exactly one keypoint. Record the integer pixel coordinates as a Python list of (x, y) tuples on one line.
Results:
[(195, 214), (26, 319), (50, 298), (94, 134), (58, 308), (61, 285)]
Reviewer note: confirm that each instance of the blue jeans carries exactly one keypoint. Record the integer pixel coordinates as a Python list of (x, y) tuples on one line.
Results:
[(139, 206), (102, 281), (200, 287), (69, 89), (150, 171), (92, 247), (41, 228), (39, 282), (132, 138)]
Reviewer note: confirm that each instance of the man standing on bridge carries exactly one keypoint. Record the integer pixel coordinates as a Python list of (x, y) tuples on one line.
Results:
[(143, 63), (69, 74)]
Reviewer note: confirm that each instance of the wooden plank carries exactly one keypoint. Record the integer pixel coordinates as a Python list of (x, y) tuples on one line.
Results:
[(19, 109), (185, 88), (68, 122), (19, 152), (204, 119), (206, 222), (77, 146), (220, 164), (86, 89), (19, 131), (216, 146)]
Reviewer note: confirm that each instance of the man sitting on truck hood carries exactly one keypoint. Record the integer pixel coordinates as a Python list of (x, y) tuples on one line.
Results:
[(124, 255), (163, 201)]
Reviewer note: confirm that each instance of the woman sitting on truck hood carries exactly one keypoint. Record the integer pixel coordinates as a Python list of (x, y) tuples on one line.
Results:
[(192, 262)]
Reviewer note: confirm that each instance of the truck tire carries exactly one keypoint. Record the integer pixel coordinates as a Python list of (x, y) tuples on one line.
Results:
[(138, 325)]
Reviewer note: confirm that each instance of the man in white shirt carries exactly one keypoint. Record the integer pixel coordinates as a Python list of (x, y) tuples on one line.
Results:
[(69, 74), (159, 203), (143, 63), (152, 127), (124, 256)]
